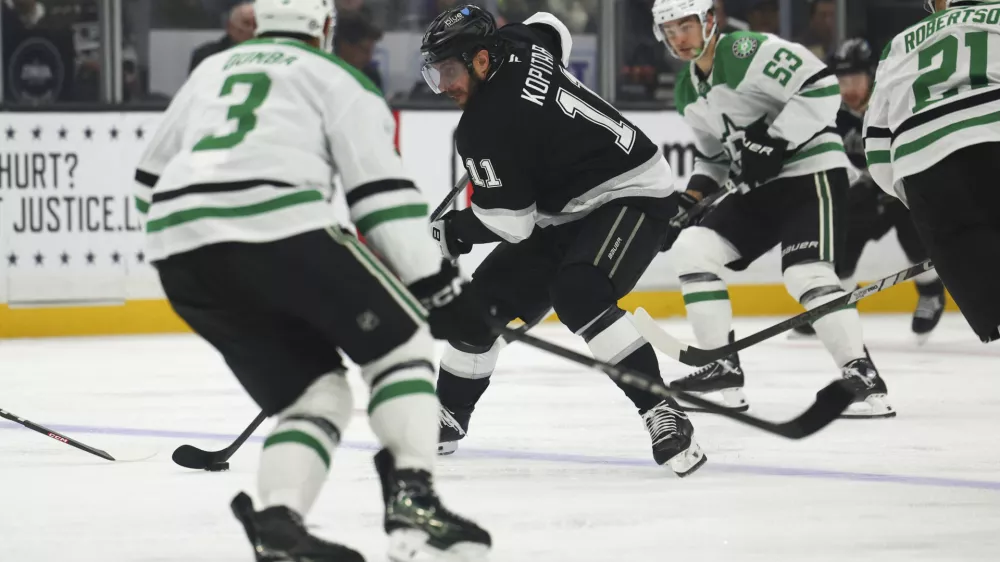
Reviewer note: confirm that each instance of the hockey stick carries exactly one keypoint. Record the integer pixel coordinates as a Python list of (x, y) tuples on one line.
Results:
[(55, 435), (439, 212), (830, 401), (682, 220), (695, 357), (214, 461)]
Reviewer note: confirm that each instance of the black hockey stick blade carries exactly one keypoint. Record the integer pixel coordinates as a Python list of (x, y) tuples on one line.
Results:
[(830, 402), (194, 458), (55, 435), (440, 210), (696, 357)]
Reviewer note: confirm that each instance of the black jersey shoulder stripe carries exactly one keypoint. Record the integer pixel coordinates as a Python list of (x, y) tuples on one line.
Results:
[(817, 77), (147, 179), (942, 110), (878, 133), (222, 187), (355, 195)]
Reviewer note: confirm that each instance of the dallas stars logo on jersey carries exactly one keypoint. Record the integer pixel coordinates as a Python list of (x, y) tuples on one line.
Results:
[(745, 47)]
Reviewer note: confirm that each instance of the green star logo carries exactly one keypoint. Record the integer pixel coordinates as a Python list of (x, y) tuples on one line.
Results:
[(745, 47), (703, 88)]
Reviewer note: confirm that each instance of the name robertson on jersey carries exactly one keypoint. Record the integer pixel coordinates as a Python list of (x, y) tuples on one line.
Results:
[(542, 66)]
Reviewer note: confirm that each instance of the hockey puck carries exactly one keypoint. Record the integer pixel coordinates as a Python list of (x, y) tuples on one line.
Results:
[(218, 467)]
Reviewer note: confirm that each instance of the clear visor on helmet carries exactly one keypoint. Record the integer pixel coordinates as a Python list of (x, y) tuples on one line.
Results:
[(441, 75), (673, 30)]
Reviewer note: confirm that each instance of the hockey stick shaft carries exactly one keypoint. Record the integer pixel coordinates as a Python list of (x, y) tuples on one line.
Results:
[(830, 402), (450, 198), (697, 357), (55, 435)]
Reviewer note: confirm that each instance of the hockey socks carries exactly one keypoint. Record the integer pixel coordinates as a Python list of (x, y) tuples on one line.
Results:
[(297, 454), (839, 331), (709, 310), (403, 412), (612, 338)]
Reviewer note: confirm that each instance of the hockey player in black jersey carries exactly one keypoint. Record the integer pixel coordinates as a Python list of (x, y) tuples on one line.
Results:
[(872, 212), (577, 196)]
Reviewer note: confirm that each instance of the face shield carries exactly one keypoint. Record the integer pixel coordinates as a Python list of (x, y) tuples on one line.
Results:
[(440, 76)]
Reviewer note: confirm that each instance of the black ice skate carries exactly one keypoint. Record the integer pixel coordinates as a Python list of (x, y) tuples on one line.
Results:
[(672, 435), (454, 425), (277, 534), (724, 377), (930, 306), (416, 522), (870, 392)]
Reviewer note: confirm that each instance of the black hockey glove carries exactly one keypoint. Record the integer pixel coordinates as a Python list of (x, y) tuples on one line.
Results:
[(762, 155), (443, 232), (685, 201), (452, 312)]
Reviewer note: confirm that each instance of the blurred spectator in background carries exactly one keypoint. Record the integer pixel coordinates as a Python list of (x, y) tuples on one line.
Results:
[(821, 36), (763, 17), (26, 14), (354, 41), (647, 71), (726, 23), (579, 16), (239, 28)]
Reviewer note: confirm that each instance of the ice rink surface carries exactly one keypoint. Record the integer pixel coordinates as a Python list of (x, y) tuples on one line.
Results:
[(557, 464)]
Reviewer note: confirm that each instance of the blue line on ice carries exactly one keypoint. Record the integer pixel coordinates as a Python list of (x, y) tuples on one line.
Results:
[(566, 458)]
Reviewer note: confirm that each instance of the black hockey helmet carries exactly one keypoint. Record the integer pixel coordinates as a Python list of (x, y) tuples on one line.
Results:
[(853, 56), (459, 34)]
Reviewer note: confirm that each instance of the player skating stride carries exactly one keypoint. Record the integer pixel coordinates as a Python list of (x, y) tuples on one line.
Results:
[(236, 186), (577, 196), (763, 109), (932, 136), (872, 213)]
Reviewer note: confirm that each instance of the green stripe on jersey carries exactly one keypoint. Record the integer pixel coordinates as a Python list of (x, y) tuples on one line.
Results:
[(693, 298), (879, 157), (930, 138), (397, 389), (819, 149), (301, 438), (371, 220), (142, 206), (268, 206), (822, 92)]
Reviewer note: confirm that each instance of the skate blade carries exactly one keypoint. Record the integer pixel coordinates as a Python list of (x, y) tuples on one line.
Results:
[(875, 406), (447, 448), (732, 399), (688, 460), (407, 545)]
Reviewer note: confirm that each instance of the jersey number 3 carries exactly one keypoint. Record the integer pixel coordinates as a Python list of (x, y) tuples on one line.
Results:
[(243, 113)]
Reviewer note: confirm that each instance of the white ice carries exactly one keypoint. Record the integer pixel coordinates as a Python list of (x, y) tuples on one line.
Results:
[(557, 465)]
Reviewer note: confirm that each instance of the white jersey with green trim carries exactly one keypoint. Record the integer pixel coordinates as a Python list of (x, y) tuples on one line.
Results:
[(248, 149), (761, 76), (937, 90)]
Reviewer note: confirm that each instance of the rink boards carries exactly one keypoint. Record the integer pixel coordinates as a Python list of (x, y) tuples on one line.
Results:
[(71, 241)]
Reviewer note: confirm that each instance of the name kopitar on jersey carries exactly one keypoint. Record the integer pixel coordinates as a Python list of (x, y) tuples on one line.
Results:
[(542, 66)]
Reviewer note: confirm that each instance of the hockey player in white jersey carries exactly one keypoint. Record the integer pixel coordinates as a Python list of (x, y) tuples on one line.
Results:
[(764, 110), (236, 186), (932, 137)]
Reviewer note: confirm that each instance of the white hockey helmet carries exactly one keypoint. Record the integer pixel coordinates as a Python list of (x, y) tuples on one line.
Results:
[(671, 10), (929, 4), (305, 17)]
